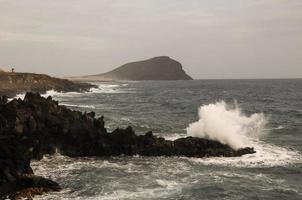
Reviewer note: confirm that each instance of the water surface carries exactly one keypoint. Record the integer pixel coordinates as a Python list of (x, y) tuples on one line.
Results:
[(167, 108)]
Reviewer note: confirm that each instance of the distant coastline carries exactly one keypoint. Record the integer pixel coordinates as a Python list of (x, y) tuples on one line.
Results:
[(12, 83)]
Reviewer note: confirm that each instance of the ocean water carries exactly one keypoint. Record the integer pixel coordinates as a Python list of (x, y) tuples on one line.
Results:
[(265, 114)]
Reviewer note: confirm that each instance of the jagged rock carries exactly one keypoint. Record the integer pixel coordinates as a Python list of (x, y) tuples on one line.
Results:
[(29, 186), (15, 171), (36, 126)]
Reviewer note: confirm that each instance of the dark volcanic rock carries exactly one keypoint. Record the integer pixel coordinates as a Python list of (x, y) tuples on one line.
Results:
[(158, 68), (48, 127), (36, 126), (16, 176)]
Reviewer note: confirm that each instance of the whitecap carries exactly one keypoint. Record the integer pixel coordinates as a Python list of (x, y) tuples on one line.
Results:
[(275, 128), (110, 89), (77, 106), (172, 136), (166, 183), (18, 96), (55, 93), (267, 155)]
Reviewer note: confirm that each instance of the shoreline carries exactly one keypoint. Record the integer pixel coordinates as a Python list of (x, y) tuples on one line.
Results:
[(12, 83), (36, 126)]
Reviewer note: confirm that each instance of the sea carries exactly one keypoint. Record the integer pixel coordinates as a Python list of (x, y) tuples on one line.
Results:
[(264, 114)]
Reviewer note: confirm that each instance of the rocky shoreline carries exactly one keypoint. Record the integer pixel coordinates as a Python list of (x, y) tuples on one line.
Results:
[(12, 83), (36, 126)]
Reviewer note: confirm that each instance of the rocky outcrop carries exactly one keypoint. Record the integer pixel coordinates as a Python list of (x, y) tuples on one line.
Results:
[(14, 83), (36, 126), (158, 68), (16, 176)]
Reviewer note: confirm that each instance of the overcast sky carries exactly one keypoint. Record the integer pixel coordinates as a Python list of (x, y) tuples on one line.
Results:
[(211, 38)]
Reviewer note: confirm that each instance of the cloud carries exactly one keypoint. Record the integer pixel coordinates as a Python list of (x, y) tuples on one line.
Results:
[(238, 32)]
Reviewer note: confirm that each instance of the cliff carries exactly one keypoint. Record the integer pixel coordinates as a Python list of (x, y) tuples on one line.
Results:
[(14, 83), (157, 68)]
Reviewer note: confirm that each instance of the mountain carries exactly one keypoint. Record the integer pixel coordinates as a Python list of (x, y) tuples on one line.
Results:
[(14, 83), (157, 68)]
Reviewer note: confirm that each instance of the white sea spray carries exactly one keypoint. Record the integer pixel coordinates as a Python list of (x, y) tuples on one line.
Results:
[(227, 124)]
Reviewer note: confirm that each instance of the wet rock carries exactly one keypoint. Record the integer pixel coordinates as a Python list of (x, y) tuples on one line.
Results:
[(3, 100), (36, 126), (27, 193), (30, 186), (15, 171)]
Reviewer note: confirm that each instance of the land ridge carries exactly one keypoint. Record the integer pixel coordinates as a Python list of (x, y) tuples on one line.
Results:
[(156, 68), (12, 83)]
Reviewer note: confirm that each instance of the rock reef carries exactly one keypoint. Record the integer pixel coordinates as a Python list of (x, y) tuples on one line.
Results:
[(36, 126)]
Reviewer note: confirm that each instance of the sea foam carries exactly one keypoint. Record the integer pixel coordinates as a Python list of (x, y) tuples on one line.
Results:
[(102, 88), (267, 155), (227, 124)]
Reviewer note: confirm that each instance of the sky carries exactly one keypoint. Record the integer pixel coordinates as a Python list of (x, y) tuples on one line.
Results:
[(213, 39)]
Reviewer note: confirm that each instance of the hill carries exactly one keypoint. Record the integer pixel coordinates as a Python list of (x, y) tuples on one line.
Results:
[(157, 68)]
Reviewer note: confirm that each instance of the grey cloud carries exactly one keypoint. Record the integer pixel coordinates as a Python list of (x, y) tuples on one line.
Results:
[(213, 39)]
